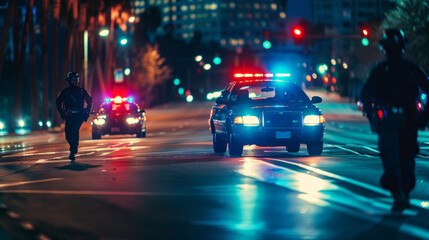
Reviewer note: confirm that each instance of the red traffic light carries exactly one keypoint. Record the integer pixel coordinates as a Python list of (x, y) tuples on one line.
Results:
[(365, 32), (297, 32)]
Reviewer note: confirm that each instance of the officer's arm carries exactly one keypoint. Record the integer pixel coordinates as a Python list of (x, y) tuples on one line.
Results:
[(368, 91), (88, 100), (59, 103)]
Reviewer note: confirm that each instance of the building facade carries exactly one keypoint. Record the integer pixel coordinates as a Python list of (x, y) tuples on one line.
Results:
[(230, 23)]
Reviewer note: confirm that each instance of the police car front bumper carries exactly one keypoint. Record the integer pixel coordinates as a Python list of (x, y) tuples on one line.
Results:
[(279, 136)]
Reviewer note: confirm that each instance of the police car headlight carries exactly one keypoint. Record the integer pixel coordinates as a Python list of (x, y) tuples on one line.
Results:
[(132, 120), (247, 120), (313, 120), (99, 121)]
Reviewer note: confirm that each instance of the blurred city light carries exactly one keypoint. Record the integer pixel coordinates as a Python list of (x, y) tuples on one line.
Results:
[(198, 58), (321, 69), (308, 78), (209, 96), (40, 124), (124, 41), (333, 62), (181, 91), (365, 42), (189, 98), (314, 75), (2, 126), (345, 66), (48, 124), (266, 44), (21, 123), (217, 60), (131, 19), (104, 32), (176, 82), (127, 71), (207, 66)]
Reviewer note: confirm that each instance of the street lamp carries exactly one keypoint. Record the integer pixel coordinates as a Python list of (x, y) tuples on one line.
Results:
[(104, 32), (198, 58), (124, 41)]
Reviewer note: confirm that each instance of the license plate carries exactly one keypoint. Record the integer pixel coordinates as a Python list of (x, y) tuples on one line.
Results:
[(115, 129), (282, 134)]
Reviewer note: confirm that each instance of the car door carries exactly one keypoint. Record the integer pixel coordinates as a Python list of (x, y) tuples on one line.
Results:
[(220, 110)]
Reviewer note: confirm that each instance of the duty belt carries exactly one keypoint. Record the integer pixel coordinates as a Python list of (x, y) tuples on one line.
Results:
[(73, 111)]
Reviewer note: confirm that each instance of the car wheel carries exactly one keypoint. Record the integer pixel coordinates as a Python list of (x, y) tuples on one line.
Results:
[(235, 148), (315, 148), (219, 145), (141, 134), (293, 147), (96, 136)]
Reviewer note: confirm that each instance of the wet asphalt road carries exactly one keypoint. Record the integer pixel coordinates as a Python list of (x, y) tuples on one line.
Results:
[(171, 185)]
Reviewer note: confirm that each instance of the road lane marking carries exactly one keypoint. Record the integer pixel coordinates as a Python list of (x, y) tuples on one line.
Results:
[(29, 182), (325, 193), (349, 150)]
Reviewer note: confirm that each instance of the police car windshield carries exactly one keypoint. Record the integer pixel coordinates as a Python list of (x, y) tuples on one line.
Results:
[(119, 108), (269, 91)]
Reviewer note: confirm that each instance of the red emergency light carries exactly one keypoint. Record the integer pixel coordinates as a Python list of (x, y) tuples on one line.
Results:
[(260, 75)]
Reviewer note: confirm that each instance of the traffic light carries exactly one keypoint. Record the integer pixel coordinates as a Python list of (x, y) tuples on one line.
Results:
[(267, 43), (365, 35), (297, 32)]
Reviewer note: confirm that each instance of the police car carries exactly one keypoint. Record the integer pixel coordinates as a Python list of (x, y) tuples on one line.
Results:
[(119, 115), (267, 110)]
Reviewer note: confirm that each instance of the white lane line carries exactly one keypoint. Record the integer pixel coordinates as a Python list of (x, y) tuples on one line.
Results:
[(322, 192), (416, 202), (349, 150), (29, 182), (113, 193)]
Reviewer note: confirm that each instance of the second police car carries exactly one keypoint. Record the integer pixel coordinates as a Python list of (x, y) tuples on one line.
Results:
[(119, 116), (263, 110)]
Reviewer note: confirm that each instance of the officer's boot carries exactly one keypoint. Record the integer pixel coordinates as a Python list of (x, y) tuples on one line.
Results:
[(400, 201), (71, 156)]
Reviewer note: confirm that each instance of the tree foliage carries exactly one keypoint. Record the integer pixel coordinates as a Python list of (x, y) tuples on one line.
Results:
[(150, 71), (412, 16)]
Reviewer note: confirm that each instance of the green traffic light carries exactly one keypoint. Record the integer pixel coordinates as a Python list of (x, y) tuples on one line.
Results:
[(176, 82), (181, 91), (217, 60), (365, 41), (266, 44)]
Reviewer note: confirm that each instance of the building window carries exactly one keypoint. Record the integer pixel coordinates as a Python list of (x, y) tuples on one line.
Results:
[(257, 41), (223, 42), (273, 6), (192, 16), (256, 6), (282, 15), (174, 8), (192, 7), (166, 19), (184, 8)]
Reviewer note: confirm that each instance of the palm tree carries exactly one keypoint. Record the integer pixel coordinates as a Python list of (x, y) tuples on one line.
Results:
[(44, 35), (33, 74), (55, 58), (5, 35), (17, 110)]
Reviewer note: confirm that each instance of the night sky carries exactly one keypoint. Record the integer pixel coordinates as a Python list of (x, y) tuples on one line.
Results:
[(299, 9)]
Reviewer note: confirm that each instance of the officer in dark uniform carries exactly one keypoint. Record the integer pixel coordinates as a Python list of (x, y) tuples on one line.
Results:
[(70, 105), (390, 96)]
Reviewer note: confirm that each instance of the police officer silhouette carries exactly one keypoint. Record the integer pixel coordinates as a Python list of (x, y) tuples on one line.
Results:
[(390, 96), (70, 105)]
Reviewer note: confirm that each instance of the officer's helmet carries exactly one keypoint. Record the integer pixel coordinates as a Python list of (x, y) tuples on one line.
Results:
[(393, 39), (72, 76)]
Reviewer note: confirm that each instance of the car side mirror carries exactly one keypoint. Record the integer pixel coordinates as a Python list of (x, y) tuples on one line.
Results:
[(316, 99), (221, 100)]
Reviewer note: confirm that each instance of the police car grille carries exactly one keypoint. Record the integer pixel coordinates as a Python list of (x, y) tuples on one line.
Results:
[(282, 119)]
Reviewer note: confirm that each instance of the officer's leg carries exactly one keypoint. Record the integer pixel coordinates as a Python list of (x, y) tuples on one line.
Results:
[(68, 130), (74, 141), (388, 143), (409, 149)]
